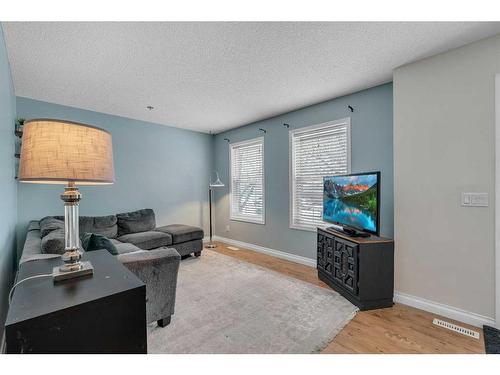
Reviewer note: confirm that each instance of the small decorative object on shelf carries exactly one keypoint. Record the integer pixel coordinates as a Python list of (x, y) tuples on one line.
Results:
[(19, 127), (18, 131)]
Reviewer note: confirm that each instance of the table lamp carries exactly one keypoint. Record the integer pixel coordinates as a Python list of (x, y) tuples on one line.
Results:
[(64, 152), (211, 185)]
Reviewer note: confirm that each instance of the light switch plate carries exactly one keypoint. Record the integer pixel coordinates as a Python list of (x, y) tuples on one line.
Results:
[(475, 199)]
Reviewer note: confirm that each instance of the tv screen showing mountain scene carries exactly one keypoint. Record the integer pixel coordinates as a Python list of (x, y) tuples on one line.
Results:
[(352, 200)]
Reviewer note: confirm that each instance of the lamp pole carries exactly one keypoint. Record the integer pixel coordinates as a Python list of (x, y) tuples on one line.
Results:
[(210, 245), (217, 183)]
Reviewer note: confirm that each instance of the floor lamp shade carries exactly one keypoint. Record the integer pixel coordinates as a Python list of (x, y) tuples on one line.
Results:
[(63, 152), (58, 152)]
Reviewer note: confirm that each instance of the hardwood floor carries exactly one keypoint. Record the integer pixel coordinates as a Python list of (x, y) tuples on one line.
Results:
[(400, 329)]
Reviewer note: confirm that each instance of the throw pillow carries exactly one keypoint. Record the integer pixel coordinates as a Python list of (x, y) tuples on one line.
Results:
[(53, 243), (93, 241), (136, 221), (49, 224)]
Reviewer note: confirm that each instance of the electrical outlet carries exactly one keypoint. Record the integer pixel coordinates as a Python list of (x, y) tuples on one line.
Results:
[(228, 228)]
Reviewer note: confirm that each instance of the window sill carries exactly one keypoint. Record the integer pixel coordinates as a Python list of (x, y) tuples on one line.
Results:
[(245, 220), (304, 227)]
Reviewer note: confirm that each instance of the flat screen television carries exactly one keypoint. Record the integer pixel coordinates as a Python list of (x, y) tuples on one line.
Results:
[(353, 201)]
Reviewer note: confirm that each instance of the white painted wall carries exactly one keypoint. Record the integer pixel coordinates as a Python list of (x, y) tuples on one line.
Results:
[(444, 137)]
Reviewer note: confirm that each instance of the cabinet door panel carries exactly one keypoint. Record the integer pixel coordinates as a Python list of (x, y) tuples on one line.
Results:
[(320, 251), (345, 263), (339, 259)]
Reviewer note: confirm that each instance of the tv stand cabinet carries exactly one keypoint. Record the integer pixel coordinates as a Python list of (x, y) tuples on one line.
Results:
[(359, 268)]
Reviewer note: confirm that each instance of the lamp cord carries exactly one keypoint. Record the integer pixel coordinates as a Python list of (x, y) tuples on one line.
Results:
[(19, 282)]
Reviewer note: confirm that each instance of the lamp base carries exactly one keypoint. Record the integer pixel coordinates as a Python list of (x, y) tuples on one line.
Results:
[(62, 273), (211, 245)]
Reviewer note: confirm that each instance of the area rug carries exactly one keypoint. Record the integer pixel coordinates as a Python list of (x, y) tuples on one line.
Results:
[(225, 305), (491, 340)]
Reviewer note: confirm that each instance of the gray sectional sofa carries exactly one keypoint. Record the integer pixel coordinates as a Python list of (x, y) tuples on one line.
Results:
[(151, 253)]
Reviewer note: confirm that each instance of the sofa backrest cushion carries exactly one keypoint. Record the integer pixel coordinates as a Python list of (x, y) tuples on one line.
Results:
[(33, 243), (33, 225), (104, 225), (49, 224), (136, 221), (53, 243)]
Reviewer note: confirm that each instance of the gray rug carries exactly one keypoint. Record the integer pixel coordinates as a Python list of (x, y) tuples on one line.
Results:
[(225, 305)]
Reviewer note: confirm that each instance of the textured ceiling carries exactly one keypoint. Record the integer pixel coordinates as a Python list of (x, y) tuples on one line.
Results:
[(216, 76)]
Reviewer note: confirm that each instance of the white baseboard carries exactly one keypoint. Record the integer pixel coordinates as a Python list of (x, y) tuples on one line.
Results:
[(443, 310), (265, 250), (399, 297)]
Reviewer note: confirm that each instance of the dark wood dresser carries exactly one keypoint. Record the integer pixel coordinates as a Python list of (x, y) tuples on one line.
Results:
[(361, 269), (102, 313)]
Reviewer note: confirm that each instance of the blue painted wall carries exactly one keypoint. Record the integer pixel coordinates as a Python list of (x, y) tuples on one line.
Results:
[(8, 189), (168, 169), (371, 136), (156, 166)]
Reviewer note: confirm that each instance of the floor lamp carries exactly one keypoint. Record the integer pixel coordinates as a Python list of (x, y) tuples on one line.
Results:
[(211, 185)]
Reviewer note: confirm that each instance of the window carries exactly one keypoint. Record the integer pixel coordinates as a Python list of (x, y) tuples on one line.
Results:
[(315, 151), (247, 181)]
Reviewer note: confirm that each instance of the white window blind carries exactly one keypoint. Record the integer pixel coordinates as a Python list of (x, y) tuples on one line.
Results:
[(316, 151), (247, 181)]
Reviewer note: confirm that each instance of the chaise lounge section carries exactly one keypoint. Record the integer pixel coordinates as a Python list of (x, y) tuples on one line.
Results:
[(186, 239), (139, 228)]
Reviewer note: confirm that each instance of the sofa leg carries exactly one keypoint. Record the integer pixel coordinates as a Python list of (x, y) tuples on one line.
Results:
[(197, 254), (164, 322)]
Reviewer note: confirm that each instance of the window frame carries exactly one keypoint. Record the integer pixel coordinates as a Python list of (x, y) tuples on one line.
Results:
[(291, 169), (243, 218)]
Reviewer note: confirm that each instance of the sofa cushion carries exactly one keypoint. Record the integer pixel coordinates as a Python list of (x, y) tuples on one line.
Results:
[(124, 247), (147, 240), (104, 225), (49, 224), (33, 243), (182, 233), (94, 241), (33, 225), (53, 243), (136, 221)]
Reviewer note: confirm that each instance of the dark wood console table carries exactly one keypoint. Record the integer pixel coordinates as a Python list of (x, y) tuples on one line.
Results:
[(361, 269), (103, 313)]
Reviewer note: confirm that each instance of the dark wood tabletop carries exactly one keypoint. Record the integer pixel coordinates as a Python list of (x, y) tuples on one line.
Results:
[(41, 296)]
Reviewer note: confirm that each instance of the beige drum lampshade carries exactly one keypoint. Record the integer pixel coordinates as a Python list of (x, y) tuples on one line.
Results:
[(57, 152)]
